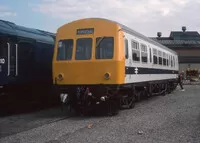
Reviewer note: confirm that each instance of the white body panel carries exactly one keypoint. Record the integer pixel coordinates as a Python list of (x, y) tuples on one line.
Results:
[(137, 77)]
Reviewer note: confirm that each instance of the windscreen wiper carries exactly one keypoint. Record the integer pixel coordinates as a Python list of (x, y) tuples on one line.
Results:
[(99, 42)]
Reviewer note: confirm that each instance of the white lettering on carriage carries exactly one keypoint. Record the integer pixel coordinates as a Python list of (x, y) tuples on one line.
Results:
[(2, 61)]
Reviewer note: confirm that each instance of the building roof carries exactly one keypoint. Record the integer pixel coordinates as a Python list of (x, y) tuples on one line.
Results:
[(175, 42), (10, 28), (188, 35), (177, 39)]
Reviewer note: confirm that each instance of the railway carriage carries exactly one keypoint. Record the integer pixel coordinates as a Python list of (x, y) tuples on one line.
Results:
[(101, 62), (25, 62)]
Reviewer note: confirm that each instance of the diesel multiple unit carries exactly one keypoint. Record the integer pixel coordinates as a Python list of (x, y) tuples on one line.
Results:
[(101, 62)]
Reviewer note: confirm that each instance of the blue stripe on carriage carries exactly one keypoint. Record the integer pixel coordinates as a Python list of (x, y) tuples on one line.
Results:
[(140, 70)]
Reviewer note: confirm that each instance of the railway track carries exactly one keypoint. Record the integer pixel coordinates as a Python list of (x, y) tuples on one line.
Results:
[(15, 124)]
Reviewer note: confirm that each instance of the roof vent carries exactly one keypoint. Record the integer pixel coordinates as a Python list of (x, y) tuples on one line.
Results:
[(159, 34), (183, 28)]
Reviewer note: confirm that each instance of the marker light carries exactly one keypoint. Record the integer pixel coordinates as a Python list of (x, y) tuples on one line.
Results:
[(107, 75), (60, 76)]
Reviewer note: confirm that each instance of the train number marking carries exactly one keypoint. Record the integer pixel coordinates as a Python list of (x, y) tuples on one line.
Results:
[(2, 61), (136, 70)]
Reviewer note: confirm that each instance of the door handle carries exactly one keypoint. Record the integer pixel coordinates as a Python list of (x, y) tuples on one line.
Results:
[(16, 60), (8, 44)]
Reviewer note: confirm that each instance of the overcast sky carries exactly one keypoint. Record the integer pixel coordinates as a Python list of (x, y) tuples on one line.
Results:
[(145, 16)]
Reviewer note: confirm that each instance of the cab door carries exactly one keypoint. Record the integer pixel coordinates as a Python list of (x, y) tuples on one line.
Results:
[(4, 47)]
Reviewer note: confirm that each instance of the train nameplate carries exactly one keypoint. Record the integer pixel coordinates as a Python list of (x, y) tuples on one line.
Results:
[(85, 31), (2, 61)]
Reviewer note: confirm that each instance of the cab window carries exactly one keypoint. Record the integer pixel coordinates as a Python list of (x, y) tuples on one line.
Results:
[(83, 49), (65, 48), (104, 47)]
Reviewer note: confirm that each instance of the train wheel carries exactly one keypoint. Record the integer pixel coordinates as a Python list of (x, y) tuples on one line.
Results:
[(113, 107), (169, 88), (128, 101), (175, 85), (164, 87)]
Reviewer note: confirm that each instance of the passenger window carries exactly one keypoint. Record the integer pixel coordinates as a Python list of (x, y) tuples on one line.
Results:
[(160, 57), (164, 59), (144, 53), (150, 55), (126, 48), (135, 51), (83, 49), (167, 60), (171, 62), (65, 48), (155, 58), (104, 47)]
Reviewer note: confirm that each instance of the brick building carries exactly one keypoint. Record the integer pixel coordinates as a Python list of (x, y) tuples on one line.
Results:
[(186, 44)]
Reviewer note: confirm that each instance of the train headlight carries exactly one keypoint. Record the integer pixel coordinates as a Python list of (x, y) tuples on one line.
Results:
[(60, 76), (107, 75)]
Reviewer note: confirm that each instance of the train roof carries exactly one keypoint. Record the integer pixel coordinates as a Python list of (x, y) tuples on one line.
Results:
[(128, 30), (133, 32), (10, 28)]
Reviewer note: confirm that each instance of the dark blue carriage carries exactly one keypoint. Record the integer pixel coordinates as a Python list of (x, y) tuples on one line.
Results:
[(25, 59)]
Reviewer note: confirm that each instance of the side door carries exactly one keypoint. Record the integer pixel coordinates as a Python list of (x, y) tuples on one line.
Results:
[(25, 58), (128, 61)]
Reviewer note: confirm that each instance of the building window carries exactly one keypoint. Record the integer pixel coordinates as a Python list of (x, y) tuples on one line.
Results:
[(155, 58), (104, 47), (65, 48), (135, 51), (144, 53)]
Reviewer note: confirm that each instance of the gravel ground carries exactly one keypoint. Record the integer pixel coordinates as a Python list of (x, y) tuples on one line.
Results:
[(163, 119), (18, 123)]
